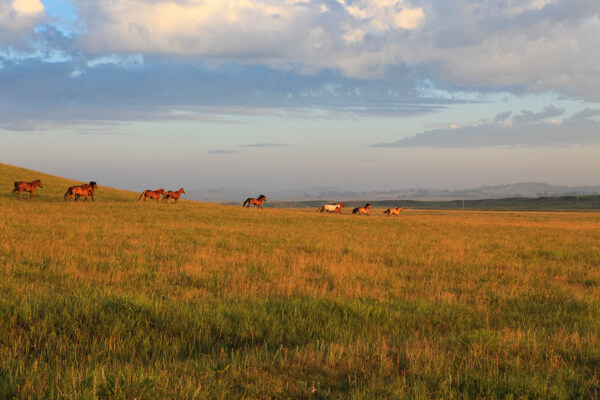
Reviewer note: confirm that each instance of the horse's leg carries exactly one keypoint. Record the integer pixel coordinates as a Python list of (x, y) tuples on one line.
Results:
[(19, 195), (31, 194)]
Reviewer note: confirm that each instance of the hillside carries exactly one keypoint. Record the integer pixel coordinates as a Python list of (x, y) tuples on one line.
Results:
[(54, 187)]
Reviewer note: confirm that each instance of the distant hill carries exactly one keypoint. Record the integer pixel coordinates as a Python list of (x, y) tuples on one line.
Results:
[(518, 190)]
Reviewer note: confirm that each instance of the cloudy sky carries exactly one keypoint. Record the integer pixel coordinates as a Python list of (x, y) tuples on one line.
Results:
[(283, 94)]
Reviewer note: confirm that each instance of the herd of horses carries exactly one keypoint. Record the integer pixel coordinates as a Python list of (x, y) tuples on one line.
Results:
[(366, 210), (166, 195), (87, 190)]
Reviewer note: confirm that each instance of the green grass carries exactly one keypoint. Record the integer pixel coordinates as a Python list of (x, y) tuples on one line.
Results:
[(120, 299)]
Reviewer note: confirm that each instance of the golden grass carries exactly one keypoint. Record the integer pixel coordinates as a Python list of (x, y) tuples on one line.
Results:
[(154, 300)]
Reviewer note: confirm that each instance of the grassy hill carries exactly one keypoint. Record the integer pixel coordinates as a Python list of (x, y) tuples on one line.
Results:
[(54, 186), (120, 299)]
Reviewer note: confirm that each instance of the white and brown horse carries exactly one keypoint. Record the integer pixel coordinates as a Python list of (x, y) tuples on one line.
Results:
[(331, 208)]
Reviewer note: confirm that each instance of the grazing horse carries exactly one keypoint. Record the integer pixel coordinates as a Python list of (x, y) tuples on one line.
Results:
[(173, 195), (26, 187), (257, 202), (363, 210), (331, 207), (152, 194), (393, 211), (87, 189)]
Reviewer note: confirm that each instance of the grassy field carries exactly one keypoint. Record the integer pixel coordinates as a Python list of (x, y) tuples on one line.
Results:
[(120, 299), (556, 203)]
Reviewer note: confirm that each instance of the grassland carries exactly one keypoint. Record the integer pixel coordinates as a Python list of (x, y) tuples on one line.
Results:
[(555, 203), (119, 299)]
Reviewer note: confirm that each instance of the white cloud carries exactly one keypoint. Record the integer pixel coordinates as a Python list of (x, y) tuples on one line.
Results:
[(463, 45), (281, 33), (18, 18)]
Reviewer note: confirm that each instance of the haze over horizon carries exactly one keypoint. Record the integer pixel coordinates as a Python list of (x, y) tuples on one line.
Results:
[(286, 94)]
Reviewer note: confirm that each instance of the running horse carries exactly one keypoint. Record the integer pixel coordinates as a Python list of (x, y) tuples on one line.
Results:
[(86, 190), (257, 202), (332, 208), (173, 195), (26, 187), (338, 209), (152, 194), (393, 211), (362, 210)]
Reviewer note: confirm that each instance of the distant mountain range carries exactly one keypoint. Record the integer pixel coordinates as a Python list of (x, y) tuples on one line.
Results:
[(531, 189)]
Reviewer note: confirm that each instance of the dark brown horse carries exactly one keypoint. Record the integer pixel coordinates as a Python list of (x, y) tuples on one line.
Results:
[(257, 202), (173, 195), (363, 210), (152, 194), (86, 190), (393, 211), (26, 187)]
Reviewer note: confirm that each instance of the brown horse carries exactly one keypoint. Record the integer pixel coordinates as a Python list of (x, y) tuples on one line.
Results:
[(87, 190), (338, 209), (26, 187), (257, 202), (173, 195), (152, 194), (393, 211), (363, 210)]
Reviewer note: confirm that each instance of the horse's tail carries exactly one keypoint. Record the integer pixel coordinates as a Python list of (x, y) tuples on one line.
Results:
[(388, 211), (321, 209), (69, 191), (141, 195), (16, 187), (355, 211), (247, 202)]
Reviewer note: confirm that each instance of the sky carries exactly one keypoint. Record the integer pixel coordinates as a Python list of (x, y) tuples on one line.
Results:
[(286, 94)]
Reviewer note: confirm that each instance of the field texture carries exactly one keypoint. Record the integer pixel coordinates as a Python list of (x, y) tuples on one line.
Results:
[(120, 299)]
